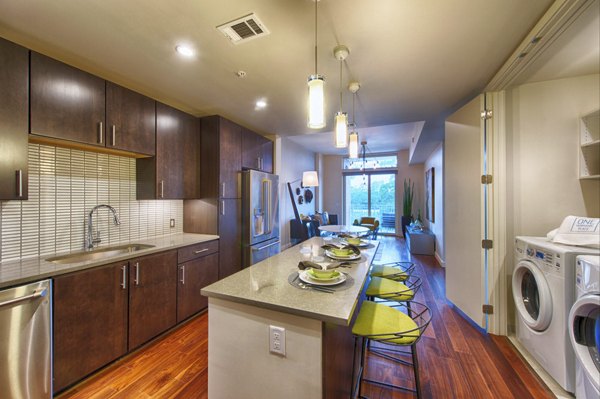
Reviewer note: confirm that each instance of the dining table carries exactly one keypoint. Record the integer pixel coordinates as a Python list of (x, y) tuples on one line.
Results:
[(344, 229), (272, 336)]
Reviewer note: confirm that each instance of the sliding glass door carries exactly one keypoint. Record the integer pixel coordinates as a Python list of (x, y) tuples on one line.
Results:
[(371, 194)]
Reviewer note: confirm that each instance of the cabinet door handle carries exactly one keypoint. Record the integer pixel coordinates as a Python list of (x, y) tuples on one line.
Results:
[(162, 189), (137, 273), (19, 183), (113, 129), (100, 133), (223, 190), (200, 251), (124, 277), (223, 208), (182, 274)]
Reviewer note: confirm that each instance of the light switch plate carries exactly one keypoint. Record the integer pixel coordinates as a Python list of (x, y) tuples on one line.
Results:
[(172, 223)]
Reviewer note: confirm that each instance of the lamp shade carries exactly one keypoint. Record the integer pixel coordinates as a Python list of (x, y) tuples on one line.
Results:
[(310, 178), (341, 130), (353, 145), (316, 101)]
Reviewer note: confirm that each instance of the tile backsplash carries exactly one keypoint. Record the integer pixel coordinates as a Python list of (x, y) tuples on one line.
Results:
[(64, 185)]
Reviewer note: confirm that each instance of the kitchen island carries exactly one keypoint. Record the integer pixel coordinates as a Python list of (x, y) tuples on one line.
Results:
[(318, 342)]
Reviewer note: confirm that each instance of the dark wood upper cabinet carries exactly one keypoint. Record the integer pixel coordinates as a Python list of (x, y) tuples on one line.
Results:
[(66, 102), (221, 154), (130, 120), (14, 113), (266, 147), (174, 173), (257, 151), (90, 321), (152, 296)]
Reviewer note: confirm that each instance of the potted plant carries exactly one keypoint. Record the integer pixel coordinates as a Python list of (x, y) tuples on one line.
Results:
[(407, 201)]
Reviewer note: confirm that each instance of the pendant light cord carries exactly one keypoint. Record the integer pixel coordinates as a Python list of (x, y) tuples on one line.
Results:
[(341, 68), (316, 1)]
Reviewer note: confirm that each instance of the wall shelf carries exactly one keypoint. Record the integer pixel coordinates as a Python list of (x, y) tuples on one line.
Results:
[(589, 146)]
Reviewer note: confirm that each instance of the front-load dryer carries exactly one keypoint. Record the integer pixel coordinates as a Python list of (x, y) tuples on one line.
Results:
[(543, 284), (584, 327)]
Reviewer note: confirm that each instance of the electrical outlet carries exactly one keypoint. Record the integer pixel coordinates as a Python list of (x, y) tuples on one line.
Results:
[(277, 340), (172, 223)]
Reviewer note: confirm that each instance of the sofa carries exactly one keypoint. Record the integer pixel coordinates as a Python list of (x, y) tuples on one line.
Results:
[(308, 226)]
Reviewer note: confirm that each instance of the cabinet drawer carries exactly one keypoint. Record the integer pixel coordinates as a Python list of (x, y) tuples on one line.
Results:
[(197, 250)]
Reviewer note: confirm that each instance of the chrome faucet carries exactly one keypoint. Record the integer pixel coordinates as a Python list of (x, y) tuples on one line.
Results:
[(91, 241)]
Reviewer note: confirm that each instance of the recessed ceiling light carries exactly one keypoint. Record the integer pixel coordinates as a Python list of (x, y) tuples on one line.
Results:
[(184, 50), (260, 104)]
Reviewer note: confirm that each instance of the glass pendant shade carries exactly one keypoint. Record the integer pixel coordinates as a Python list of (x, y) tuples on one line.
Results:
[(353, 145), (341, 130), (316, 101)]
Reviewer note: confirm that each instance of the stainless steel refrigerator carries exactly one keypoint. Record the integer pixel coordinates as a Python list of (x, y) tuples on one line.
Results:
[(260, 216)]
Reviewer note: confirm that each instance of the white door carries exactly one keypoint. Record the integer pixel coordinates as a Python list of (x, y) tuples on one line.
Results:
[(463, 211)]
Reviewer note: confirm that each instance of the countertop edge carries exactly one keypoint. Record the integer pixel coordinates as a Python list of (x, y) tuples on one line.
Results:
[(283, 309), (191, 239)]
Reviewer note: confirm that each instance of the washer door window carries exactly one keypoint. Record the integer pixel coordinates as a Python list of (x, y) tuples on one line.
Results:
[(532, 295), (584, 331)]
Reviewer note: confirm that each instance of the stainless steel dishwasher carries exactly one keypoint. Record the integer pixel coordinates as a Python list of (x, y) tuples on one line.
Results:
[(26, 342)]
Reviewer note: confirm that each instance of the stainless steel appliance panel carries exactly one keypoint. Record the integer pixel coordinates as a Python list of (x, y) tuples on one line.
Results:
[(26, 341), (260, 207), (259, 252)]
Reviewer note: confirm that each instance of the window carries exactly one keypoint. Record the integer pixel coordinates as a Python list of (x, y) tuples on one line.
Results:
[(371, 190)]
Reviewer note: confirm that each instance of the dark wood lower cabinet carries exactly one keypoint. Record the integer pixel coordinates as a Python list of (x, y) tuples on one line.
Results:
[(90, 321), (152, 296), (193, 276)]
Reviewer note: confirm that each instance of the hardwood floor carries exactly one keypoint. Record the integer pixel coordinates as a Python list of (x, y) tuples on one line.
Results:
[(456, 359)]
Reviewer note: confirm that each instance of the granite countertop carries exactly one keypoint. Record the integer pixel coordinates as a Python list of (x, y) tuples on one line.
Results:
[(33, 269), (266, 285)]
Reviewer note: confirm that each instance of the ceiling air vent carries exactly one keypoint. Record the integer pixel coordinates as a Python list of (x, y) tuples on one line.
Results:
[(243, 29)]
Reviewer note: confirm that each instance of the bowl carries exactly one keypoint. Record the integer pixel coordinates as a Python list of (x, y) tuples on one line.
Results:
[(324, 274), (353, 240), (341, 251)]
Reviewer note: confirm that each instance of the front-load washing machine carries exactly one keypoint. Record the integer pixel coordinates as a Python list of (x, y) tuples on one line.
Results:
[(543, 284), (584, 327)]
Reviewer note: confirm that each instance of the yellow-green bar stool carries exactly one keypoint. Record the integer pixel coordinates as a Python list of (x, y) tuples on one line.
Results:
[(391, 290), (394, 324), (398, 271), (400, 291)]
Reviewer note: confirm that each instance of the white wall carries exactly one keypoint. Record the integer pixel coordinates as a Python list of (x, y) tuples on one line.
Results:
[(294, 160), (436, 161), (543, 131)]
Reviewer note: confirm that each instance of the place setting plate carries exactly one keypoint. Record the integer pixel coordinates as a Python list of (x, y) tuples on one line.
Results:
[(306, 276), (344, 257), (363, 243)]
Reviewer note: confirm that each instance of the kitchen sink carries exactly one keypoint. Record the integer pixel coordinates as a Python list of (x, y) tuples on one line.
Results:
[(97, 254)]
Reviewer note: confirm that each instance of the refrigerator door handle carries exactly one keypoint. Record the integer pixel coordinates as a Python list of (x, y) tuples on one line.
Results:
[(266, 246), (266, 197)]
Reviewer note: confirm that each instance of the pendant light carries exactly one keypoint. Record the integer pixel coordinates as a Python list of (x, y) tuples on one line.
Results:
[(341, 118), (353, 137), (316, 91)]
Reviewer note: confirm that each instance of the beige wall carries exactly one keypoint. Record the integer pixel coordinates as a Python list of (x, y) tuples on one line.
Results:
[(436, 161), (332, 187), (294, 160), (543, 131), (462, 211)]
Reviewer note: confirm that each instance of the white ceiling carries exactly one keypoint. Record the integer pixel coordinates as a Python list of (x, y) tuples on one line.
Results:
[(416, 60)]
